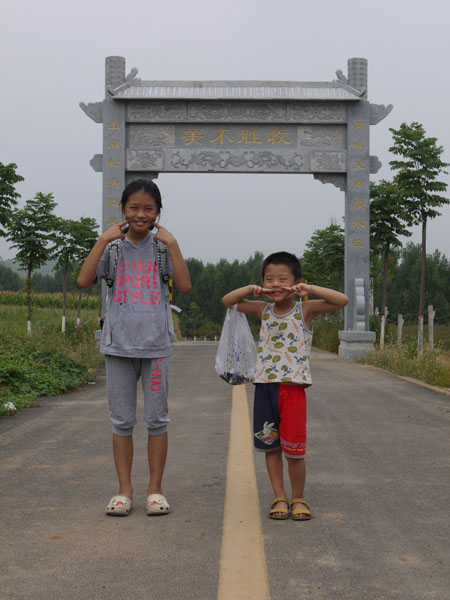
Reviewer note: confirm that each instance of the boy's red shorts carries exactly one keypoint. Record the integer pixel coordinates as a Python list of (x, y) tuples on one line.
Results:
[(279, 418)]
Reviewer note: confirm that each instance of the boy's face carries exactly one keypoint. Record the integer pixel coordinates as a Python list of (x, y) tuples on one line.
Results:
[(275, 278)]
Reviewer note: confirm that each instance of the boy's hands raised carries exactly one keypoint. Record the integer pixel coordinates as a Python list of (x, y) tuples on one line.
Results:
[(300, 289), (259, 291)]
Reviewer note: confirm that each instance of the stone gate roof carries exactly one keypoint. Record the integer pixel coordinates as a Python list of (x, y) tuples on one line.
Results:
[(234, 90)]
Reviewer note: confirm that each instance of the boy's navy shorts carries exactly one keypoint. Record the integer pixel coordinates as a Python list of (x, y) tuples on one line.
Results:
[(279, 418)]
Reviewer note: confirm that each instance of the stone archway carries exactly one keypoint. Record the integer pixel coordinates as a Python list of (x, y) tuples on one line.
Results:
[(320, 128)]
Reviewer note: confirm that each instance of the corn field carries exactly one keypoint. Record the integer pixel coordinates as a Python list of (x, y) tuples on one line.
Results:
[(54, 300)]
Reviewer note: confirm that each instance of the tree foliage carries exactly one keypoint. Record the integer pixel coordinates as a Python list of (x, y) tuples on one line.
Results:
[(387, 223), (74, 240), (32, 232), (9, 279), (209, 284), (8, 194), (323, 259), (404, 287), (417, 172)]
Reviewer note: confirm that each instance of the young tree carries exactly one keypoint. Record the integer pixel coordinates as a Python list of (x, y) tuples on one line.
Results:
[(72, 240), (31, 230), (8, 194), (417, 171), (387, 223), (323, 259), (85, 234)]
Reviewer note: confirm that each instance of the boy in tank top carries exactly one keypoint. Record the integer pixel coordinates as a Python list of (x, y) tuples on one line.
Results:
[(282, 371)]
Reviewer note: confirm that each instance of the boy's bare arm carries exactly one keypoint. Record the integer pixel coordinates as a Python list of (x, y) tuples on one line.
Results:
[(88, 271), (249, 307), (330, 300)]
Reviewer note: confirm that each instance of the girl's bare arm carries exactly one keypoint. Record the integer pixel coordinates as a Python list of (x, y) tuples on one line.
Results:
[(180, 271), (88, 271)]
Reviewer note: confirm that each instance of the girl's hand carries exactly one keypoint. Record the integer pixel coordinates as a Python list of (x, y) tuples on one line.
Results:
[(114, 233), (259, 291), (163, 235), (300, 289)]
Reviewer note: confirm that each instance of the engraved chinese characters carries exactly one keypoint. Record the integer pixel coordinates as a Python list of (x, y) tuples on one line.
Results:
[(236, 148)]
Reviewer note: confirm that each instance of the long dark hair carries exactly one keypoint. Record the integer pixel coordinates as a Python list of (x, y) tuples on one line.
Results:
[(142, 185)]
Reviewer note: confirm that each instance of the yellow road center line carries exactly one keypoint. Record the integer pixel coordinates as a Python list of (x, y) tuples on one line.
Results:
[(243, 574)]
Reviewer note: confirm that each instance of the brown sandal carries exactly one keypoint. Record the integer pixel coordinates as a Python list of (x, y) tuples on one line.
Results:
[(273, 511), (300, 514)]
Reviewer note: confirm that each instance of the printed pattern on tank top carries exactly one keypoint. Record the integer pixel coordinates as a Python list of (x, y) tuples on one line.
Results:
[(283, 348)]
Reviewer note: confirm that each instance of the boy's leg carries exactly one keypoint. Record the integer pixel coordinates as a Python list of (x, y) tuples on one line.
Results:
[(267, 438), (274, 464), (297, 476), (155, 382), (293, 438)]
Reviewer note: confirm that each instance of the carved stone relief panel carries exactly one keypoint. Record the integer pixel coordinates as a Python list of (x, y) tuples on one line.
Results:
[(239, 111), (237, 161), (140, 111), (317, 112), (145, 160), (326, 137), (328, 161), (144, 135)]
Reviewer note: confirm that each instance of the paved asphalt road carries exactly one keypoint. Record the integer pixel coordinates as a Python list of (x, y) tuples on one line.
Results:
[(378, 483)]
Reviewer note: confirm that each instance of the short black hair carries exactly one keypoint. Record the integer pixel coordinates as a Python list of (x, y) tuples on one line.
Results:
[(284, 258), (142, 185)]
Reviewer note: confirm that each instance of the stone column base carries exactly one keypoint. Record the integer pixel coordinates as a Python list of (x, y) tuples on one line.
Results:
[(356, 344)]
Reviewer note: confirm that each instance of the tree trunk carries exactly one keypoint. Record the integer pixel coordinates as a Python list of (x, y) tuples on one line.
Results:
[(400, 328), (28, 288), (384, 287), (63, 324), (431, 315), (79, 306), (422, 287), (383, 327), (423, 267)]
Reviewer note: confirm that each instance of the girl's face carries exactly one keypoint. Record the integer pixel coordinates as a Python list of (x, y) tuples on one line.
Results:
[(141, 211)]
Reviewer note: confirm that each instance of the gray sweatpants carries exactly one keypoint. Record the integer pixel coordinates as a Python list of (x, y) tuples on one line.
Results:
[(122, 375)]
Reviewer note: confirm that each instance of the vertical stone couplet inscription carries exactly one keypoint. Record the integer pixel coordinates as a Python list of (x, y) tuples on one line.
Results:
[(357, 203), (113, 144)]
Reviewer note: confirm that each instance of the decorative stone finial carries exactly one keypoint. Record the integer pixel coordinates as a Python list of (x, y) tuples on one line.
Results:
[(357, 73)]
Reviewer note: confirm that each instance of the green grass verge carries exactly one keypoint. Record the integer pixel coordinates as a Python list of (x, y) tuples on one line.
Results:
[(433, 367), (46, 362)]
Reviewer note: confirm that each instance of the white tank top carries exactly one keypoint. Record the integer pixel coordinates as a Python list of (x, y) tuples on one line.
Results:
[(283, 348)]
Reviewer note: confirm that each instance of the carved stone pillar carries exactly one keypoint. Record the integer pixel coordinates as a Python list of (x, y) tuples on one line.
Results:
[(356, 339)]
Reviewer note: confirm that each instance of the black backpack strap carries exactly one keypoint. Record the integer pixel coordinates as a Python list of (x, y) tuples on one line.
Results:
[(162, 257), (114, 249), (114, 252)]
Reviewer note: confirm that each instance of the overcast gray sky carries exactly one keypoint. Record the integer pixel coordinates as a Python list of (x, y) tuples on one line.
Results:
[(53, 56)]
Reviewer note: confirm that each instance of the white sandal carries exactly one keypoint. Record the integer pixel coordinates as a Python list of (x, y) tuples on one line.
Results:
[(119, 506), (157, 505)]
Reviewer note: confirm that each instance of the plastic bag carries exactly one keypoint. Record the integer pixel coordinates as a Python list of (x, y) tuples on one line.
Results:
[(236, 355)]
